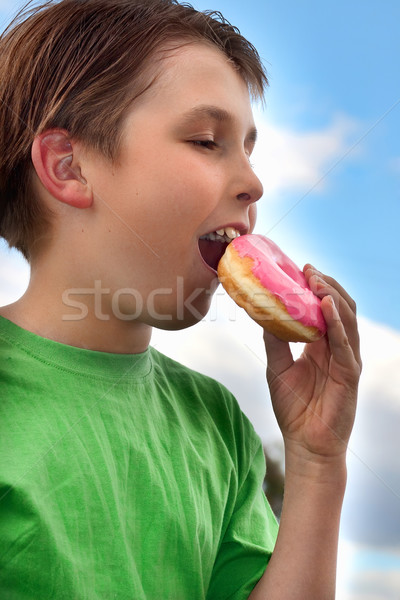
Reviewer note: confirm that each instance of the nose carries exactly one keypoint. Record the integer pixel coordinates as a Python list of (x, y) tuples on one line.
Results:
[(249, 187)]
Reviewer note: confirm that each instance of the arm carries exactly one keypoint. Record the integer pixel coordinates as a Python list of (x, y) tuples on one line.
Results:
[(314, 400)]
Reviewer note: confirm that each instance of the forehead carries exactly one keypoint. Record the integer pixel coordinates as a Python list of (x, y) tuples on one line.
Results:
[(191, 75)]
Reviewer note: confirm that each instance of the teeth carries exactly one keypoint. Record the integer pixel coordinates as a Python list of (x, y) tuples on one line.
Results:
[(231, 233), (222, 235)]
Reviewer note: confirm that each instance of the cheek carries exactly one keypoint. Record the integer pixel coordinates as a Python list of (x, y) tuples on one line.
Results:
[(188, 191), (252, 216)]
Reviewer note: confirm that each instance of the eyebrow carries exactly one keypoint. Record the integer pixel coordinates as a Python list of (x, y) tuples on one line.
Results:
[(215, 113)]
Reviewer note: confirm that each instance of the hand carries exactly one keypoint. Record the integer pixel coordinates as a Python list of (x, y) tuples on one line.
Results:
[(314, 398)]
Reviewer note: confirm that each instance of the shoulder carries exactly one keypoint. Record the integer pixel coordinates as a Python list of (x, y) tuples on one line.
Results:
[(182, 376), (206, 396)]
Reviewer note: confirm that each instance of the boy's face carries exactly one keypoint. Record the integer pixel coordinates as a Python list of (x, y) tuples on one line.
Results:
[(183, 172)]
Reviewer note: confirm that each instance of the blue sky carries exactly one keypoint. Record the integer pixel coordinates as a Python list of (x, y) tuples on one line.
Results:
[(339, 58), (326, 61), (329, 159)]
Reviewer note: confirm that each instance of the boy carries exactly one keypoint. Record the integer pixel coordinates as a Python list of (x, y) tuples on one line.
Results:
[(126, 130)]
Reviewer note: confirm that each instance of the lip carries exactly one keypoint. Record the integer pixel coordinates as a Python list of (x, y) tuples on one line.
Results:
[(242, 228), (209, 269)]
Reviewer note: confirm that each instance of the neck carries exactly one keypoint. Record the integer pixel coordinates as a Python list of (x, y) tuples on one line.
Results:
[(76, 317)]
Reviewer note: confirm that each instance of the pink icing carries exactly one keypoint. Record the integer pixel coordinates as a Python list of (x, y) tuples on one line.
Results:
[(282, 278)]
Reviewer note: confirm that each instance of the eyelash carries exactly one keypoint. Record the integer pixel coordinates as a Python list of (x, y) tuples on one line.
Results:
[(211, 145), (208, 144)]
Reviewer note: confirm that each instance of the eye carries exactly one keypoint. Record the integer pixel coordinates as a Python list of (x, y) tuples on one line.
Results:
[(208, 144)]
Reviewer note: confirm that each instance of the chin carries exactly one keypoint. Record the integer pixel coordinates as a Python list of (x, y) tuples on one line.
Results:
[(175, 324), (182, 315)]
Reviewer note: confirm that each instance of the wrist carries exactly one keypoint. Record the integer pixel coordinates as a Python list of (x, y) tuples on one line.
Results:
[(304, 465)]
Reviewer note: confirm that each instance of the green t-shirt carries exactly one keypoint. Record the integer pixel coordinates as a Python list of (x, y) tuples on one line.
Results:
[(124, 477)]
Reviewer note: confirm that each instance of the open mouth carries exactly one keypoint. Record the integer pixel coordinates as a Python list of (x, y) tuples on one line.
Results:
[(213, 245)]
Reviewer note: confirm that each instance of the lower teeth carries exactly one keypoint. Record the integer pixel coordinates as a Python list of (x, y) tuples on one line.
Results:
[(215, 237)]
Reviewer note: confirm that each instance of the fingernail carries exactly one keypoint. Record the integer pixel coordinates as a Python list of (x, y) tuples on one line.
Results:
[(314, 270), (334, 309)]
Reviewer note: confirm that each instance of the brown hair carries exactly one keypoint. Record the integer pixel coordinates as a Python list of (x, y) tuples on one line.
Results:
[(78, 65)]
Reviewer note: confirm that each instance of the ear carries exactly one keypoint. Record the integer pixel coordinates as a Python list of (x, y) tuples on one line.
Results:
[(58, 170)]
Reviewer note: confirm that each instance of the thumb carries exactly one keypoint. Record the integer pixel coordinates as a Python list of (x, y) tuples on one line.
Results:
[(279, 355)]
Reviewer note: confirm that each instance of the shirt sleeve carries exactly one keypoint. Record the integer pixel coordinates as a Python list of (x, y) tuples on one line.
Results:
[(248, 541)]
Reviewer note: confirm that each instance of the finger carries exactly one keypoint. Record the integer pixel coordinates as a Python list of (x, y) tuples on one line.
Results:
[(339, 343), (323, 286), (279, 355), (309, 271)]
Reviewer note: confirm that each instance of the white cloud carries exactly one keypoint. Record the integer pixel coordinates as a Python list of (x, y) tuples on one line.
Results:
[(367, 573), (372, 585), (376, 437), (380, 345), (369, 555), (14, 275), (285, 159)]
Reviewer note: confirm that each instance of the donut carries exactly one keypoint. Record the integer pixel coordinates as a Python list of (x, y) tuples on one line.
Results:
[(271, 288)]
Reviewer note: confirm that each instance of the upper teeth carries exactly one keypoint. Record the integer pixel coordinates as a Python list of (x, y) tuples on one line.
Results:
[(226, 234)]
